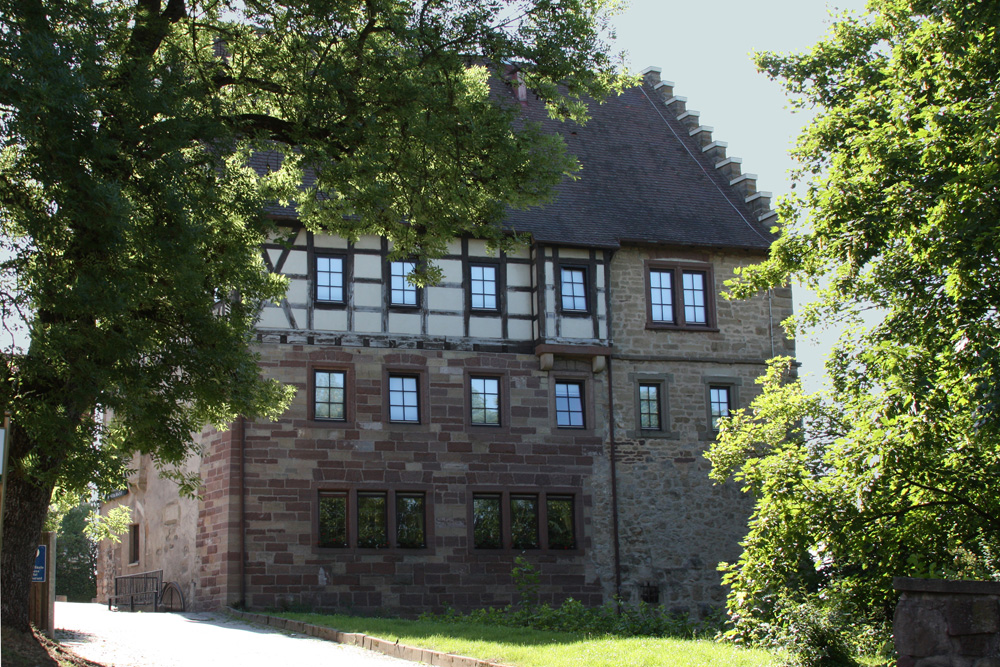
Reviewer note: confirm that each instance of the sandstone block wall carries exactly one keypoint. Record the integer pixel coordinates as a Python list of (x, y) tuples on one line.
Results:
[(947, 623), (291, 462), (676, 525)]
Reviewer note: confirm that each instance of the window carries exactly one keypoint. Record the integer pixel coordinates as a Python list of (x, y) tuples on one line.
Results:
[(483, 287), (330, 279), (649, 406), (719, 404), (694, 297), (524, 521), (569, 405), (484, 398), (404, 399), (133, 544), (333, 520), (511, 520), (410, 529), (402, 292), (652, 406), (574, 289), (329, 401), (678, 295), (560, 519), (370, 517), (661, 296), (486, 521), (372, 520)]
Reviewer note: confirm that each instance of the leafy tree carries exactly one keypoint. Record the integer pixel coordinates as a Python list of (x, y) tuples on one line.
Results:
[(76, 556), (895, 471), (132, 221)]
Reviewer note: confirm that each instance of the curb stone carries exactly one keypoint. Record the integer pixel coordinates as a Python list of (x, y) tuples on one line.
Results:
[(384, 646)]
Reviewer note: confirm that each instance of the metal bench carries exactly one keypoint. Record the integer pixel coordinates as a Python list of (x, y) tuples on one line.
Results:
[(143, 588)]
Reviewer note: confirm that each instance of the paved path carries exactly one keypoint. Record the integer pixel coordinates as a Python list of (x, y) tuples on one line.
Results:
[(123, 639)]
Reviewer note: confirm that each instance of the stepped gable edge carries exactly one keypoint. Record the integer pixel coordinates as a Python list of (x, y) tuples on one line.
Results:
[(652, 173), (745, 185)]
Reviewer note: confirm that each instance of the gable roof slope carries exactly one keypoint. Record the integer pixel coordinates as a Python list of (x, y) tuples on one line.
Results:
[(646, 178)]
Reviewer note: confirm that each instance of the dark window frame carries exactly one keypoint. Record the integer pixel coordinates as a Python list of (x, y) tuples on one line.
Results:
[(346, 277), (134, 552), (314, 402), (403, 393), (584, 395), (587, 269), (503, 414), (505, 495), (663, 382), (732, 384), (349, 393), (677, 270), (656, 402), (392, 494), (713, 390), (387, 277), (423, 396), (498, 284)]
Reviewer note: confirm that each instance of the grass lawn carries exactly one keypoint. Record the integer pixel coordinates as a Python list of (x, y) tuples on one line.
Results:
[(522, 647)]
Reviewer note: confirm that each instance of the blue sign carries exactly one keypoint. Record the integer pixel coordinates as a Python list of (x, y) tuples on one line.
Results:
[(38, 574)]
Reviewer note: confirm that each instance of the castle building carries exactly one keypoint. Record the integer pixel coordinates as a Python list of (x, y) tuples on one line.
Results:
[(553, 403)]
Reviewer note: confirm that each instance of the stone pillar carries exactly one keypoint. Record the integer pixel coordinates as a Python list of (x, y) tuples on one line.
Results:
[(942, 623)]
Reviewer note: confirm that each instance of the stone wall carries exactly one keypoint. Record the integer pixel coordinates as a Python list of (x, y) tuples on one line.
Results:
[(291, 462), (947, 623), (167, 524), (676, 525)]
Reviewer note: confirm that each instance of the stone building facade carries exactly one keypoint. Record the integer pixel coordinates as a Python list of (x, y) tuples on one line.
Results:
[(553, 403)]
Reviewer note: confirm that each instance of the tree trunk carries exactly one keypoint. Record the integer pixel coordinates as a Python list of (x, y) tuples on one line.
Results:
[(25, 506)]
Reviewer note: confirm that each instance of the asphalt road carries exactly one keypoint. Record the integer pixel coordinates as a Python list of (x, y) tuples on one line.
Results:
[(123, 639)]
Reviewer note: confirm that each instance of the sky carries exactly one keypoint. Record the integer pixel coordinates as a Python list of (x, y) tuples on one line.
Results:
[(704, 47)]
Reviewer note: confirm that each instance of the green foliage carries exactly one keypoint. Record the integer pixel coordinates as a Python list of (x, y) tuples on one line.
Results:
[(526, 579), (893, 471), (611, 619), (131, 222), (529, 647), (110, 526), (76, 559)]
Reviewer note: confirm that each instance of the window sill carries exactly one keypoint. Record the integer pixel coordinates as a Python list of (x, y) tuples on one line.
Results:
[(525, 552), (329, 305), (662, 326), (650, 434), (370, 551)]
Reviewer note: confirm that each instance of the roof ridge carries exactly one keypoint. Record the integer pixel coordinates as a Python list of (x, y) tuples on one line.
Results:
[(744, 185)]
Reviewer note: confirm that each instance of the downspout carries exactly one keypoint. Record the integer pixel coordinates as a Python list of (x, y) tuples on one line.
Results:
[(614, 485), (612, 450), (770, 321), (243, 523)]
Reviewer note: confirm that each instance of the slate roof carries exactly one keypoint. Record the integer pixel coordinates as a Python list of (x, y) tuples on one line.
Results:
[(644, 179)]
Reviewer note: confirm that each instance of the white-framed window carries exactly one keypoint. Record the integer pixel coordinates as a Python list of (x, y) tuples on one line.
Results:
[(484, 397), (329, 279), (694, 297), (573, 284), (719, 403), (401, 291), (569, 405), (649, 406), (483, 287), (404, 398), (329, 399), (661, 296)]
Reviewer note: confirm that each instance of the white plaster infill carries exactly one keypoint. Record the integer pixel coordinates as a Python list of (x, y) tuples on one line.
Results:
[(384, 646)]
